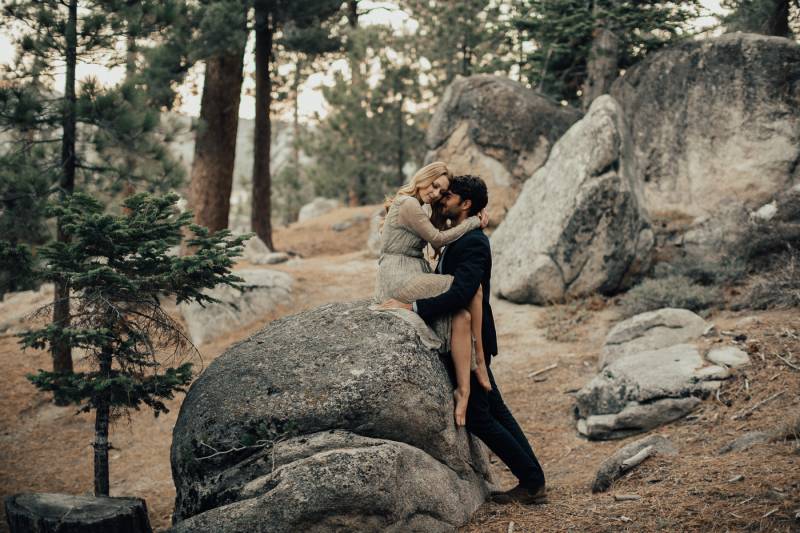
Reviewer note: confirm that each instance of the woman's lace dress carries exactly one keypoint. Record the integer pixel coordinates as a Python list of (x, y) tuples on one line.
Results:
[(403, 271)]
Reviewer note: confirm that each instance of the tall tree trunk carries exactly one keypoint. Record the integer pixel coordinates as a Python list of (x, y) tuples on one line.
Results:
[(356, 82), (601, 68), (293, 208), (101, 420), (778, 21), (401, 156), (215, 143), (61, 350), (261, 214)]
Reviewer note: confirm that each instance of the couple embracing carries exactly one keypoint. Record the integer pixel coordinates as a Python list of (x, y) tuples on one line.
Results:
[(454, 301)]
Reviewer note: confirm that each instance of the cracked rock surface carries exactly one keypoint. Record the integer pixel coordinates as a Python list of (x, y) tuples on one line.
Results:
[(643, 390), (496, 128), (578, 226), (715, 122), (650, 331), (338, 418)]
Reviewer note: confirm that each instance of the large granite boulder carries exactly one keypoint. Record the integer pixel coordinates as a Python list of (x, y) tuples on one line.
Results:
[(578, 226), (715, 121), (264, 291), (650, 331), (642, 390), (498, 129), (338, 418), (316, 208)]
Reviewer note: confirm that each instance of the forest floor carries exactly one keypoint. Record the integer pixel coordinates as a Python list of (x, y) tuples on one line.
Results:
[(45, 448)]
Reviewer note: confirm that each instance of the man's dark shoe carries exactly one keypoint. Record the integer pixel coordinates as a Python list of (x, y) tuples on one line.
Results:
[(521, 495)]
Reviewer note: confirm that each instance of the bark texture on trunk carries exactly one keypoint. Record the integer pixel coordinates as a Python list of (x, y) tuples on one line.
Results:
[(61, 351), (778, 22), (261, 214), (215, 145), (101, 420), (601, 68)]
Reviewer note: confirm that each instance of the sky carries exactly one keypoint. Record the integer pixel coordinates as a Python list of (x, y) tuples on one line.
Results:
[(311, 101)]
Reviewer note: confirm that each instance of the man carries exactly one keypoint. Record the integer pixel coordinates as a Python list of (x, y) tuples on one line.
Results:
[(469, 260)]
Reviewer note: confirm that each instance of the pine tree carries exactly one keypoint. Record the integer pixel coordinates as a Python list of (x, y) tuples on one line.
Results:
[(118, 267), (768, 17), (81, 137), (374, 128), (272, 17), (221, 44), (579, 46)]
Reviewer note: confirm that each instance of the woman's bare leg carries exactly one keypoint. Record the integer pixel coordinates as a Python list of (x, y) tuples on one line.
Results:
[(461, 350), (476, 325)]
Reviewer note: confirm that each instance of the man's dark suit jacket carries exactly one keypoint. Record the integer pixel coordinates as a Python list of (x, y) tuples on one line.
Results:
[(469, 260)]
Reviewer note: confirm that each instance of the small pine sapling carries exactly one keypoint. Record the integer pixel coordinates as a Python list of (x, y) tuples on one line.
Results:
[(119, 267)]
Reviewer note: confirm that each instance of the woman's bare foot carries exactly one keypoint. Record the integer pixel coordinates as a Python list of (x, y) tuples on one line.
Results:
[(461, 398), (482, 375)]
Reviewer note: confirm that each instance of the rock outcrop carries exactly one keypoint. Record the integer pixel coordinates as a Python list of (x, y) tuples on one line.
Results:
[(339, 418), (643, 390), (318, 207), (626, 458), (650, 331), (264, 290), (497, 129), (578, 226), (715, 121), (256, 252)]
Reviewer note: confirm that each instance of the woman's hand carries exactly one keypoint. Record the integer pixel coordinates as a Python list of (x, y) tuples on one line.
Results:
[(484, 217)]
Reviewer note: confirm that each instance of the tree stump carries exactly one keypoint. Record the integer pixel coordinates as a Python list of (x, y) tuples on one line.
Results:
[(65, 513)]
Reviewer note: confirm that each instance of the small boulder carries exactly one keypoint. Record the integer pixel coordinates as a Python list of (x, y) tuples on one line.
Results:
[(746, 441), (306, 426), (642, 390), (616, 465), (256, 252), (56, 513), (730, 356), (16, 308), (264, 290), (496, 128), (577, 227), (318, 207), (651, 331)]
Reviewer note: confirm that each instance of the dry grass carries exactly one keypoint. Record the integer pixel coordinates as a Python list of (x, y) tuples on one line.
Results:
[(778, 288), (562, 323), (669, 291), (316, 236)]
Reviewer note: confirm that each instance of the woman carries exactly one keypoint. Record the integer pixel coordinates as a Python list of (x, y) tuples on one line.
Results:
[(404, 274)]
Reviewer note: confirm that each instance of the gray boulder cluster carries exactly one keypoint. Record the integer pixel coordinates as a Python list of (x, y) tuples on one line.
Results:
[(651, 373), (577, 227), (497, 129), (709, 129), (335, 418), (264, 291)]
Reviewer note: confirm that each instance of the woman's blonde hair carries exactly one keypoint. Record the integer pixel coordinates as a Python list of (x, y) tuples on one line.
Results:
[(424, 177)]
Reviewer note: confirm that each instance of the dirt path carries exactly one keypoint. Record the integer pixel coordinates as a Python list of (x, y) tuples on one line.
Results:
[(47, 448)]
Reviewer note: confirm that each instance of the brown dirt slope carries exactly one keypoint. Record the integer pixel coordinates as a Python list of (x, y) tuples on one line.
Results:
[(47, 448)]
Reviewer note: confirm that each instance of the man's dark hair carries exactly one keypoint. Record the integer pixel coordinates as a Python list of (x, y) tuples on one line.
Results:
[(470, 188)]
